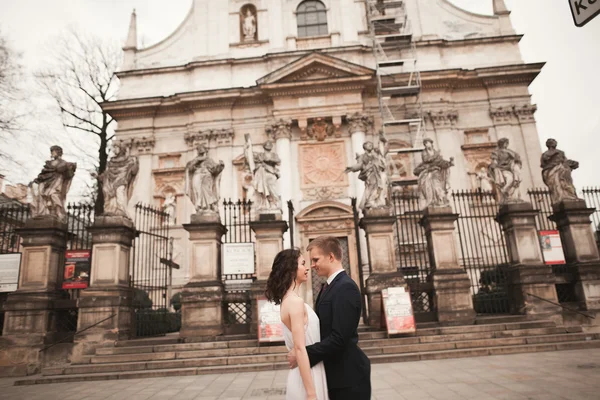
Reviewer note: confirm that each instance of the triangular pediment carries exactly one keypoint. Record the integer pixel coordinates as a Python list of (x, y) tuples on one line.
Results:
[(315, 67)]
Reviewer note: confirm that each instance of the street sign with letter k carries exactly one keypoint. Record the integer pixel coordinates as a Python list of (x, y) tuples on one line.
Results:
[(584, 10)]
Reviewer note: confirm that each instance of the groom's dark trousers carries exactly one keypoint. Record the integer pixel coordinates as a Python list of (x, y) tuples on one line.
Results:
[(347, 368)]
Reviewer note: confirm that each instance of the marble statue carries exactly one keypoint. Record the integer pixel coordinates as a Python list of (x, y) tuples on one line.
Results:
[(49, 190), (169, 207), (117, 181), (484, 183), (264, 167), (556, 173), (372, 169), (202, 182), (249, 25), (433, 177), (505, 172)]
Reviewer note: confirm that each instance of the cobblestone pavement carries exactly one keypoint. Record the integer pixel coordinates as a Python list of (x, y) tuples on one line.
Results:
[(571, 375)]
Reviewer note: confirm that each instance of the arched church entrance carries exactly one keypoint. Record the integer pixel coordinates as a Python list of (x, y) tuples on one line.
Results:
[(333, 219)]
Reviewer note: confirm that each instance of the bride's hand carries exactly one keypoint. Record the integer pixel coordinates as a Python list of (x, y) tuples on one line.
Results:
[(311, 397)]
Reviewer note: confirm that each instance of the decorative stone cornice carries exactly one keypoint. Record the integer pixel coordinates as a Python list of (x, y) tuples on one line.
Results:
[(281, 128), (360, 122), (142, 145), (224, 137), (442, 118), (525, 112), (522, 113), (193, 139)]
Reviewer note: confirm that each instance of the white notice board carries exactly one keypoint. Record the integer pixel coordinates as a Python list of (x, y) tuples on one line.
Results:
[(10, 264), (237, 258)]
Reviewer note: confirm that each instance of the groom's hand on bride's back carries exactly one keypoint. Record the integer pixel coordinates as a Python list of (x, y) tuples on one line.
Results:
[(291, 357)]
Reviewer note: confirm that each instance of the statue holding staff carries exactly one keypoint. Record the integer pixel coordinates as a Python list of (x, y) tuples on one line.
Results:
[(505, 172), (265, 169), (49, 190)]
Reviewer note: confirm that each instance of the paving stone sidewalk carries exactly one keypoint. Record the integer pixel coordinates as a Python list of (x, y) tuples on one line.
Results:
[(562, 375)]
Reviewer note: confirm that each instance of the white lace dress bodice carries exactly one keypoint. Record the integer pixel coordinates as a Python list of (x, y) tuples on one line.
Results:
[(295, 387)]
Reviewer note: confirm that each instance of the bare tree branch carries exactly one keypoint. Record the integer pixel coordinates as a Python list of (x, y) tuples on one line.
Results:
[(80, 77)]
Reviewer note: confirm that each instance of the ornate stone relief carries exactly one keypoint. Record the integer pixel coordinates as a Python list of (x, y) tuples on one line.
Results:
[(525, 112), (326, 219), (281, 128), (442, 118), (359, 122), (320, 130), (142, 145), (322, 170), (223, 137)]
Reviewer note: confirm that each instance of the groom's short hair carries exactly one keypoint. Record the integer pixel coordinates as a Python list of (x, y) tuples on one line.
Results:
[(327, 244)]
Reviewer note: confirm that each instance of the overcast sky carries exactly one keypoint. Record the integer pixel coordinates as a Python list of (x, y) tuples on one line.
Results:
[(566, 92)]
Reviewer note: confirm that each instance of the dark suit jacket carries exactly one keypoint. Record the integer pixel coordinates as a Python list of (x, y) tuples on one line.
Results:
[(339, 308)]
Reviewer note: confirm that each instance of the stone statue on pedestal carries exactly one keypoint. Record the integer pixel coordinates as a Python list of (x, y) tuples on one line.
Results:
[(169, 207), (49, 190), (484, 183), (264, 167), (505, 172), (556, 173), (202, 182), (434, 176), (249, 25), (372, 169), (117, 181)]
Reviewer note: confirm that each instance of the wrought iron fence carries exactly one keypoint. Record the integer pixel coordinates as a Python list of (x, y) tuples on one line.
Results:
[(541, 200), (483, 249), (12, 217), (412, 255), (591, 195), (149, 273), (237, 302)]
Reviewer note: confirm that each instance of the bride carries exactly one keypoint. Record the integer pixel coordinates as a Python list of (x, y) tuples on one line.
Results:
[(300, 325)]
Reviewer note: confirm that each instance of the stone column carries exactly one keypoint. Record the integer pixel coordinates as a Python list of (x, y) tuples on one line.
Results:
[(379, 226), (281, 131), (109, 297), (29, 322), (143, 189), (527, 272), (453, 299), (269, 242), (202, 296), (224, 151), (581, 252)]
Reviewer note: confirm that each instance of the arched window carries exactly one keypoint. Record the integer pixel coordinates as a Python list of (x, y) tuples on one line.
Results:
[(312, 18)]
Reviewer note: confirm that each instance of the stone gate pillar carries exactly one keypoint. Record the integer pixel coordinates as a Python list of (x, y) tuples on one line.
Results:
[(202, 296), (29, 322), (581, 253), (379, 227), (453, 299), (269, 242), (527, 272)]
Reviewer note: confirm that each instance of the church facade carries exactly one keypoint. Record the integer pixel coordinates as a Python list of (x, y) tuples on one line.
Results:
[(302, 74)]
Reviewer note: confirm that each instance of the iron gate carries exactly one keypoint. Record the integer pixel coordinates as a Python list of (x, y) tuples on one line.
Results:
[(237, 302), (483, 249), (412, 256), (151, 260), (591, 196)]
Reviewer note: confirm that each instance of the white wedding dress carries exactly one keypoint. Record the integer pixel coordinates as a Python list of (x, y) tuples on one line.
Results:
[(295, 388)]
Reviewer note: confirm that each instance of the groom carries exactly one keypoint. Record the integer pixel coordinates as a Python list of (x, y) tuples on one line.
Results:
[(338, 307)]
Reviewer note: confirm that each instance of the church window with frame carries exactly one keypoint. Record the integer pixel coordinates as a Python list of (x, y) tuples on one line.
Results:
[(312, 19)]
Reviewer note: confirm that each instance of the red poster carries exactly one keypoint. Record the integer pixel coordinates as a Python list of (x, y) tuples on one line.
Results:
[(552, 247), (77, 269), (397, 308), (270, 327)]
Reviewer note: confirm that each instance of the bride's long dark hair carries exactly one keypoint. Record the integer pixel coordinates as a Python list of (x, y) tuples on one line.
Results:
[(283, 274)]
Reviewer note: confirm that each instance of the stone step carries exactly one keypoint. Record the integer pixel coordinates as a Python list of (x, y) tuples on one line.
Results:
[(384, 358)]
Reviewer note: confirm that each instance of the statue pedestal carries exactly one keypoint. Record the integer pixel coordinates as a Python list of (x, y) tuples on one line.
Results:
[(109, 296), (527, 272), (202, 297), (379, 228), (30, 321), (453, 299), (581, 252), (269, 242)]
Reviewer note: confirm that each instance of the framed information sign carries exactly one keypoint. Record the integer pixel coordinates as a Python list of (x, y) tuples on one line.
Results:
[(270, 327), (238, 258), (398, 312), (77, 269), (552, 247), (10, 265)]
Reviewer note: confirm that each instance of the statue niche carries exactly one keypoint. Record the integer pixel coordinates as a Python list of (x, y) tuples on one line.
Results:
[(248, 23)]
